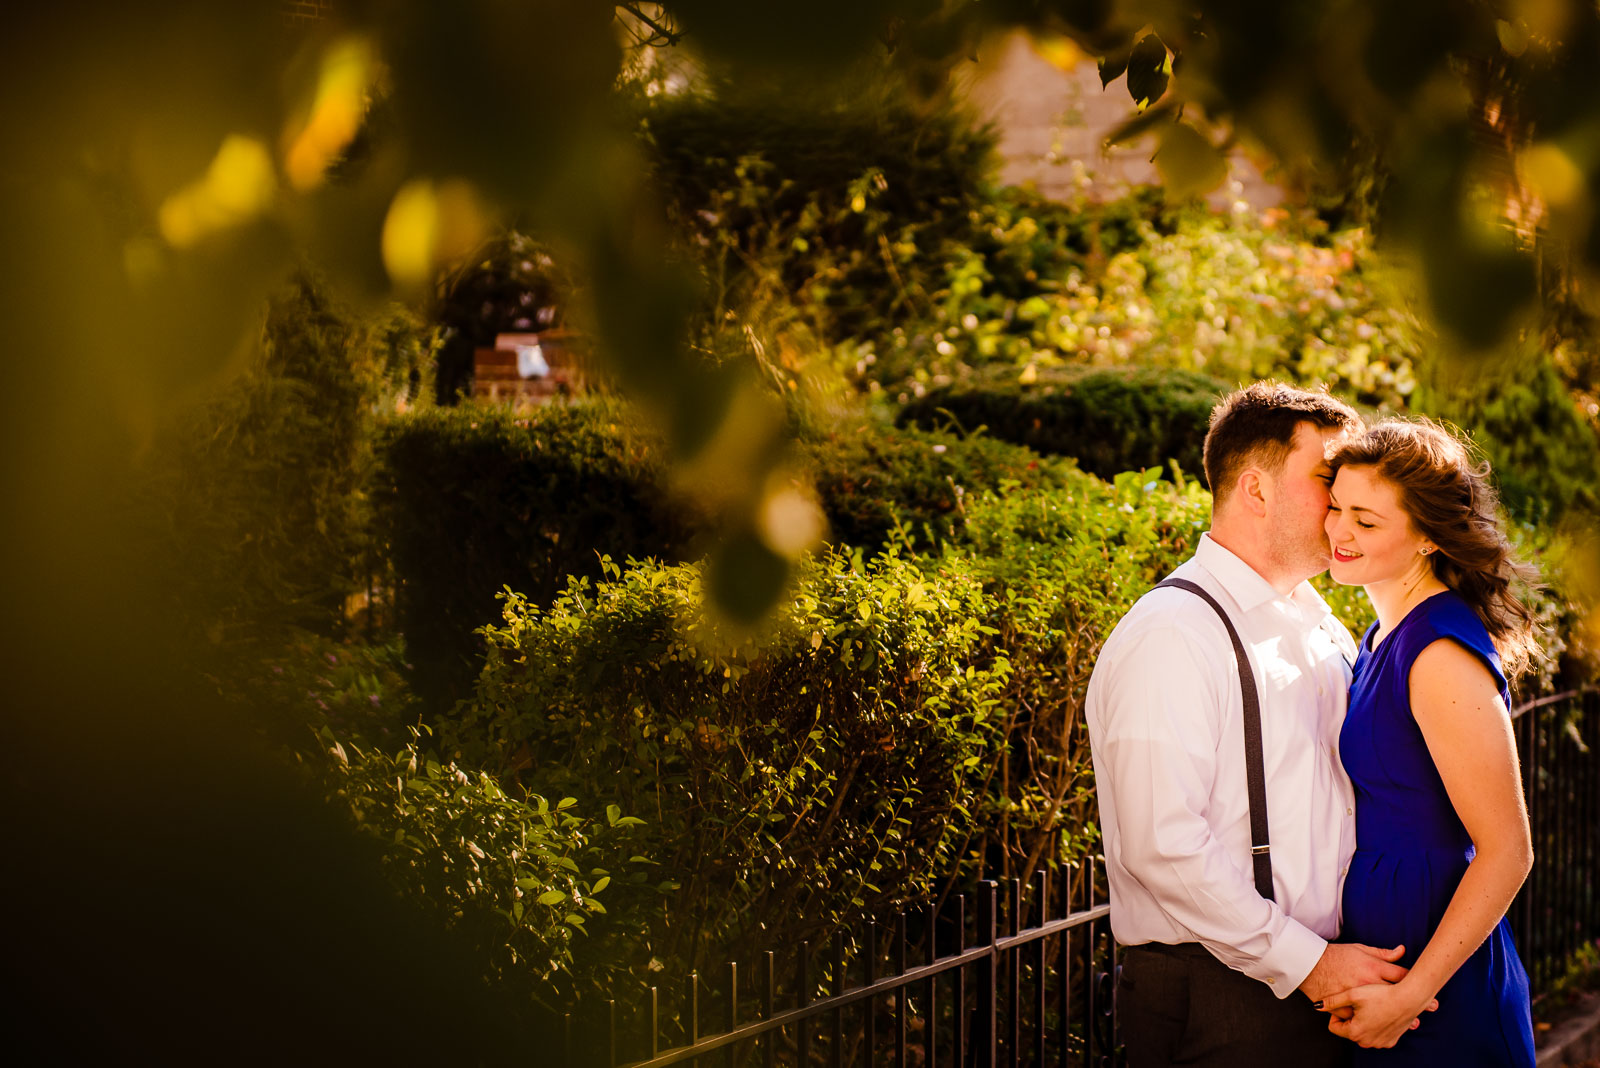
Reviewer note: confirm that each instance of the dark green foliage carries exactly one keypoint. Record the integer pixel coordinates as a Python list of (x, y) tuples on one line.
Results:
[(1108, 420), (258, 495), (871, 482), (516, 875), (1546, 457), (794, 779), (477, 498), (846, 207)]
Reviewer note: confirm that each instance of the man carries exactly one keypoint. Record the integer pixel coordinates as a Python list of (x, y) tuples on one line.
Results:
[(1215, 973)]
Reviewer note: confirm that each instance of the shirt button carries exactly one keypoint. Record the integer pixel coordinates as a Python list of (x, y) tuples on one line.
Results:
[(1271, 981), (1349, 812)]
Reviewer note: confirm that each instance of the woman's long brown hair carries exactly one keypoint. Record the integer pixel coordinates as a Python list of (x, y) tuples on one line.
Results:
[(1452, 503)]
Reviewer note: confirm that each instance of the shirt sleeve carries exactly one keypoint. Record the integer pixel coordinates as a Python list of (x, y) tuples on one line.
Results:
[(1161, 725)]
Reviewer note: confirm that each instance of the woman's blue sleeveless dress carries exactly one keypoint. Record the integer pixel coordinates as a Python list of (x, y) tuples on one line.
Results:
[(1411, 852)]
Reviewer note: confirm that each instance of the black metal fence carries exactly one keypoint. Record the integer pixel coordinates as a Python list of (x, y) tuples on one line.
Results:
[(1558, 909), (1022, 974), (1012, 976)]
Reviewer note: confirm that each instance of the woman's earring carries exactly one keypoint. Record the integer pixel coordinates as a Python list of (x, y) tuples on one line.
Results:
[(1424, 552)]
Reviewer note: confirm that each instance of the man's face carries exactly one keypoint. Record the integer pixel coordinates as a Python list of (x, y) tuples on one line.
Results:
[(1298, 502)]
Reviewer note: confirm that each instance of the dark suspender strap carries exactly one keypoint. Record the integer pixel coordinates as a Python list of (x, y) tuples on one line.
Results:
[(1255, 765)]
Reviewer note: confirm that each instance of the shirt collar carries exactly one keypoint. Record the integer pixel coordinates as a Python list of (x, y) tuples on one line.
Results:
[(1247, 588)]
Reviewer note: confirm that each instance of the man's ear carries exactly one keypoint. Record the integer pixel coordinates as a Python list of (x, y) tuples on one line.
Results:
[(1251, 491)]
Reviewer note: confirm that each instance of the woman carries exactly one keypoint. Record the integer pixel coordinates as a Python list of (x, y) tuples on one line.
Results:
[(1442, 839)]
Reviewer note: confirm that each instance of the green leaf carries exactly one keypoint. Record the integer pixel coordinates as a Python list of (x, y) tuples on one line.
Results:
[(1112, 66), (566, 803), (600, 885), (1147, 70), (613, 813), (552, 897)]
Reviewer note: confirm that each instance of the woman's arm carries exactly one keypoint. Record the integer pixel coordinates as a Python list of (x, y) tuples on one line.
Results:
[(1457, 704)]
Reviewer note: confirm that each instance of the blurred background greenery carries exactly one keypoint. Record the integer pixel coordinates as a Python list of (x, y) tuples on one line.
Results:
[(251, 533)]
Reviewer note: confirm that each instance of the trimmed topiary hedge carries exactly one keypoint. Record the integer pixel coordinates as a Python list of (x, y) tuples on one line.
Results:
[(1109, 420)]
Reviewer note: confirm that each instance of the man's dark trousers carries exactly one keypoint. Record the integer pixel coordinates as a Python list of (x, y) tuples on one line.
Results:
[(1179, 1005)]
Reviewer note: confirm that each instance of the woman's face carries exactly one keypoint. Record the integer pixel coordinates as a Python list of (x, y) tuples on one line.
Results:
[(1372, 537)]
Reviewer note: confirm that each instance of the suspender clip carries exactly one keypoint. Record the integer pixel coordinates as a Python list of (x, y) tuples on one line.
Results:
[(1260, 850)]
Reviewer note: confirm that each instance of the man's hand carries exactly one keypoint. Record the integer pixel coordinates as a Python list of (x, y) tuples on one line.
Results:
[(1346, 965)]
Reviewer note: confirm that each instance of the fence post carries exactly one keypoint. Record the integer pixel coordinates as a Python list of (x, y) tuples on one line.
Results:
[(984, 1035)]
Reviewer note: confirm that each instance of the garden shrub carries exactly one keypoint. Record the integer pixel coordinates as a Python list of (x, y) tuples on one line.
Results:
[(1236, 296), (1546, 456), (846, 206), (873, 482), (791, 780), (1058, 569), (518, 875), (477, 498), (259, 493), (1109, 421)]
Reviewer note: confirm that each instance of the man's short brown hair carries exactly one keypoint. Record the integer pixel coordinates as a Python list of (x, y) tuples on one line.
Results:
[(1257, 424)]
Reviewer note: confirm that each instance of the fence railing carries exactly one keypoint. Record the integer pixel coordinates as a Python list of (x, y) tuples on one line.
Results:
[(998, 979), (1558, 909)]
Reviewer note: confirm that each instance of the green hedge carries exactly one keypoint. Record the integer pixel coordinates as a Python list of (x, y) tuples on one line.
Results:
[(1546, 457), (473, 499), (902, 720), (872, 482), (798, 778), (1109, 420)]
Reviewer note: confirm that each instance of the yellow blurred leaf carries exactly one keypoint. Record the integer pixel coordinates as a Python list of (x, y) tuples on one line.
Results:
[(410, 232), (1060, 52), (790, 522), (428, 226), (237, 186), (1553, 174), (336, 112), (1189, 164)]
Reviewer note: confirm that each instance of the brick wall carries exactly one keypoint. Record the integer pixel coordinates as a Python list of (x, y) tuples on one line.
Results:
[(1049, 119)]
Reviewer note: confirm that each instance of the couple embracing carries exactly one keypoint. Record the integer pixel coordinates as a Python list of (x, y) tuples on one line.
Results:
[(1312, 843)]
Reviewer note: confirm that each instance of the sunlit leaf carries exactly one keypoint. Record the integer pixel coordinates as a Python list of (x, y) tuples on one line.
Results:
[(1190, 165)]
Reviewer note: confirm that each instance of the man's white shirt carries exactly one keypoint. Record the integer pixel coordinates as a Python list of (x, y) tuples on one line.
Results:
[(1166, 727)]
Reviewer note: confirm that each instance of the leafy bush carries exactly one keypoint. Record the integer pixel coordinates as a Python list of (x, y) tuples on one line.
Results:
[(518, 875), (1058, 568), (476, 499), (848, 206), (799, 778), (259, 494), (1546, 456), (1236, 296), (473, 499), (1109, 421), (873, 483)]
